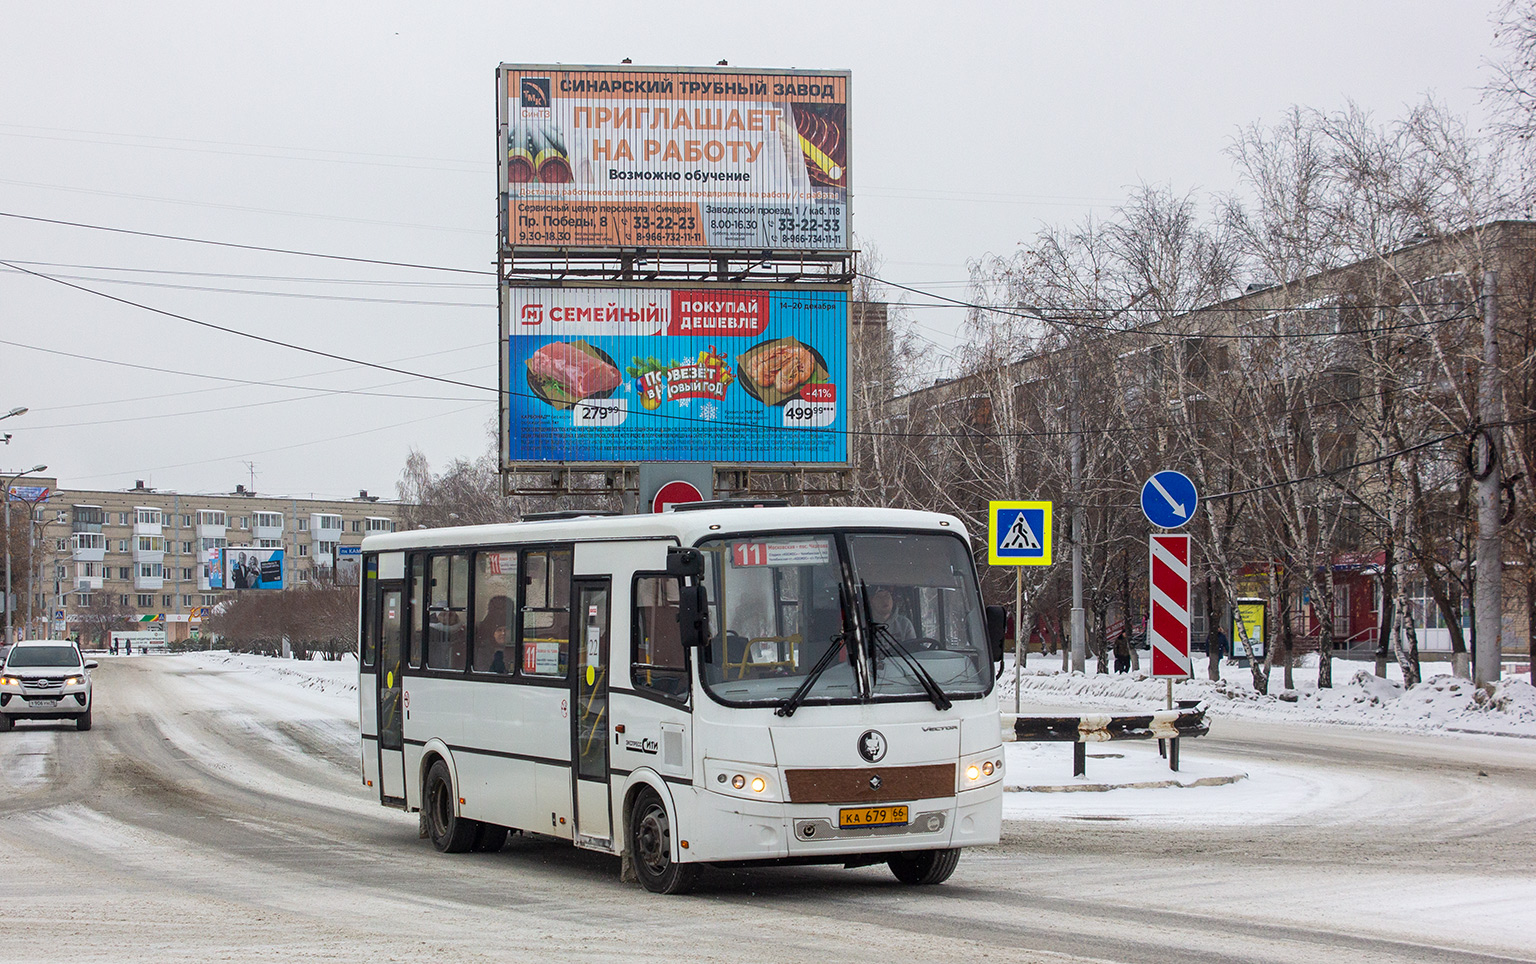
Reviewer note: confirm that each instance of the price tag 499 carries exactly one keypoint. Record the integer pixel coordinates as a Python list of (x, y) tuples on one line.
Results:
[(799, 413)]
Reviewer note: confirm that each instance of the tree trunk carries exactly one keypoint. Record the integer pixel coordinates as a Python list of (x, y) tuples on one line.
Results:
[(1213, 660), (1388, 608), (1325, 636), (1405, 644)]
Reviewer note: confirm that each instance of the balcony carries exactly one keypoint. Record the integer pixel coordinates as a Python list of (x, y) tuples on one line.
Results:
[(88, 546)]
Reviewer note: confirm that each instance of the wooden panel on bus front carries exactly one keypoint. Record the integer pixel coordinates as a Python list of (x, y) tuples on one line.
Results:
[(849, 785)]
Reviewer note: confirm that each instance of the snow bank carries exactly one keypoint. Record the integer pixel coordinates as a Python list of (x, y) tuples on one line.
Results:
[(327, 677), (1441, 703)]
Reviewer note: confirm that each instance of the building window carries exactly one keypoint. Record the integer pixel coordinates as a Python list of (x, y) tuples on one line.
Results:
[(62, 545), (377, 524), (269, 520), (186, 572), (146, 600), (245, 522), (62, 515), (150, 570), (58, 572), (303, 549), (90, 570), (122, 520), (330, 522), (122, 600), (125, 572), (209, 598), (210, 517), (167, 601), (186, 522), (151, 544), (357, 525), (148, 517), (325, 548), (83, 600), (186, 548), (209, 542), (122, 545), (186, 599), (269, 543), (303, 524)]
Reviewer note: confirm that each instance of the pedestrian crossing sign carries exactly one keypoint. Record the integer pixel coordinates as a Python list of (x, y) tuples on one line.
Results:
[(1019, 533)]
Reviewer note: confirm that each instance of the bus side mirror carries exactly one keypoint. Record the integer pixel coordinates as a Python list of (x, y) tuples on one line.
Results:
[(997, 628), (685, 562), (693, 615)]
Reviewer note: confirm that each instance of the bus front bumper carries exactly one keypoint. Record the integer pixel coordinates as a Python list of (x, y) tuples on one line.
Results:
[(728, 828)]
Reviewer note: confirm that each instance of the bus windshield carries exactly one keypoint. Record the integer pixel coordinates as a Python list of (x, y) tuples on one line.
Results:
[(780, 603)]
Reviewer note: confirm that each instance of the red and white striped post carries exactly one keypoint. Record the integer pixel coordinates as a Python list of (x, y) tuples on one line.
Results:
[(1168, 629)]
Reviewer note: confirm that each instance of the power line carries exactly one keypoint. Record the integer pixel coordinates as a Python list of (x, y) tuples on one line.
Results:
[(301, 295), (242, 247), (222, 378)]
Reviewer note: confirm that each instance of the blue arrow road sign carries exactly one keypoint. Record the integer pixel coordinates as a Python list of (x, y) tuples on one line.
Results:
[(1168, 499)]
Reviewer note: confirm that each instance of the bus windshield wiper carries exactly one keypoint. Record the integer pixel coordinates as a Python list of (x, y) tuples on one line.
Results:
[(931, 686), (788, 707)]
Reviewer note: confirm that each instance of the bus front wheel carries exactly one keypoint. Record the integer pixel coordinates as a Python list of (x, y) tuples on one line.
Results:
[(450, 833), (924, 866), (650, 847)]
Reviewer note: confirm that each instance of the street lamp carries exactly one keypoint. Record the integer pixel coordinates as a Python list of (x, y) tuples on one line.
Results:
[(7, 587), (18, 410)]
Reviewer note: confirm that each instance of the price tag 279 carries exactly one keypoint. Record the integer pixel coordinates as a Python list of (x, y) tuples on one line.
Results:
[(599, 412), (799, 413)]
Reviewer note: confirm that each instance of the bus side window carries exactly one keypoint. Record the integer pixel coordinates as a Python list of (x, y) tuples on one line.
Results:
[(448, 613), (495, 608), (660, 666), (369, 642), (416, 637), (546, 624)]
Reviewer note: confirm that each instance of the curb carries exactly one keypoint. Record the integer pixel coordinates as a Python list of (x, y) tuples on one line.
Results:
[(1144, 785)]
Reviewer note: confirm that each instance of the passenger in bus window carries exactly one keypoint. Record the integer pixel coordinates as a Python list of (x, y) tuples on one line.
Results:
[(882, 605), (492, 636)]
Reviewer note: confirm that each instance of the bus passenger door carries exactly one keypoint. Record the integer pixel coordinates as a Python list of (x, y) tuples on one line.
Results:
[(391, 622), (589, 722)]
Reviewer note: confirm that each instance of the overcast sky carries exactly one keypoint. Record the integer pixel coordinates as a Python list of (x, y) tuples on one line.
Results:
[(368, 130)]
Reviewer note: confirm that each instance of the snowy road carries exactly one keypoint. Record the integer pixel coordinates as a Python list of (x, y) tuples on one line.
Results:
[(215, 813)]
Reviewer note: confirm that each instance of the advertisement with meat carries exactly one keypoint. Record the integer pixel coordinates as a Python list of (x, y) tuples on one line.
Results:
[(668, 375), (606, 157)]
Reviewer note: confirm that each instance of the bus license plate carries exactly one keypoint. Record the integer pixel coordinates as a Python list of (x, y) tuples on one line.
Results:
[(872, 817)]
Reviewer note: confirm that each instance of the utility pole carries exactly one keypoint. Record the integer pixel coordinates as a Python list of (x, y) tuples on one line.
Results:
[(5, 590), (1489, 601), (1079, 622)]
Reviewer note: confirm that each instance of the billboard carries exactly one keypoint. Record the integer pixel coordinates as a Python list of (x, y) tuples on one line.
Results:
[(349, 564), (213, 569), (246, 567), (671, 375), (611, 157)]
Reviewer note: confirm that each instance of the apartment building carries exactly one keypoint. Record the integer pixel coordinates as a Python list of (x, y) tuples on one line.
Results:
[(144, 554)]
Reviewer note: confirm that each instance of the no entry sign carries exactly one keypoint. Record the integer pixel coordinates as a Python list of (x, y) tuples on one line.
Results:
[(1168, 629), (675, 493)]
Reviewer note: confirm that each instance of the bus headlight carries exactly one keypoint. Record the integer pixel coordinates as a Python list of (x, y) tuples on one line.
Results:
[(748, 780), (980, 769)]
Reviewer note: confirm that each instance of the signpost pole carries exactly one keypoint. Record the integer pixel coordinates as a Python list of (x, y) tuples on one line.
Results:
[(1018, 633)]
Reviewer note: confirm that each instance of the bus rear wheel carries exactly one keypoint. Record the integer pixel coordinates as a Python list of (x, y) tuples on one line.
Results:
[(924, 866), (650, 847), (450, 833)]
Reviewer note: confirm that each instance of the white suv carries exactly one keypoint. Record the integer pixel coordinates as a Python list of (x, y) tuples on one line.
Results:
[(45, 679)]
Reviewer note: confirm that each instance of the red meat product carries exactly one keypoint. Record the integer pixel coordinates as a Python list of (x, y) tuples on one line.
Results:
[(580, 374)]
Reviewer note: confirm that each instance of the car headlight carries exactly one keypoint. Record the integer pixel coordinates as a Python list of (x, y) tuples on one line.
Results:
[(10, 681), (74, 681), (980, 769), (750, 780)]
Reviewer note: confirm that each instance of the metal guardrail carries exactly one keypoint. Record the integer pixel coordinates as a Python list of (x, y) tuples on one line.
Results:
[(1160, 725)]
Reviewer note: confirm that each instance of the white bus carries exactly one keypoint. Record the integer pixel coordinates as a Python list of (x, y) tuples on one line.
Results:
[(721, 685)]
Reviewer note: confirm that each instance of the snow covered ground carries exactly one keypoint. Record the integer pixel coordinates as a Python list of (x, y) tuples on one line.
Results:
[(1442, 703)]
